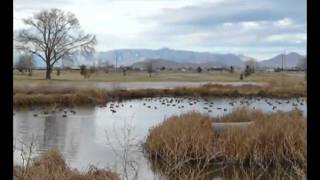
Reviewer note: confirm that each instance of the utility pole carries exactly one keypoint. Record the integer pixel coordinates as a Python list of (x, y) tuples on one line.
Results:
[(284, 58), (282, 73), (282, 62), (116, 60)]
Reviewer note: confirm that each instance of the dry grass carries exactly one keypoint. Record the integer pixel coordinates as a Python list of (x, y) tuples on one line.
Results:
[(274, 145), (131, 76), (168, 143), (240, 114), (51, 166), (48, 94), (278, 138), (273, 89), (74, 75), (41, 92)]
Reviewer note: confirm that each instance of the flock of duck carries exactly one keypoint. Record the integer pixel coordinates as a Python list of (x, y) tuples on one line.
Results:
[(208, 105), (53, 110)]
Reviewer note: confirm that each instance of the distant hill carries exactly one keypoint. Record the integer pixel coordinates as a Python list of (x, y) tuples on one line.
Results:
[(159, 63), (290, 60), (171, 58), (131, 56)]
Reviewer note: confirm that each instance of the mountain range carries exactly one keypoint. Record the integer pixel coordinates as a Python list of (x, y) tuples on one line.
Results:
[(289, 61), (178, 58), (131, 56)]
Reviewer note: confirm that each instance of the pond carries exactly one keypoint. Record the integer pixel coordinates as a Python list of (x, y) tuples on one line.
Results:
[(100, 135)]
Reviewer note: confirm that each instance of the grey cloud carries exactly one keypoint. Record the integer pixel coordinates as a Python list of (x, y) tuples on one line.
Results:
[(203, 24), (31, 5), (211, 14)]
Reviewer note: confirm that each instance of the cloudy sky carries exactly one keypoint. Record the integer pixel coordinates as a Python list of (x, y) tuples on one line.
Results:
[(260, 29)]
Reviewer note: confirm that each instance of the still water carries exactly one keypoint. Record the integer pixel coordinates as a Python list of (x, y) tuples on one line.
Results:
[(99, 135)]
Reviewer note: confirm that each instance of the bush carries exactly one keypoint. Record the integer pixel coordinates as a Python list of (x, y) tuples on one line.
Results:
[(83, 70), (231, 69), (199, 69)]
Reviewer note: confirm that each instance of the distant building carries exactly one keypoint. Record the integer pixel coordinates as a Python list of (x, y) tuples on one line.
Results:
[(182, 69)]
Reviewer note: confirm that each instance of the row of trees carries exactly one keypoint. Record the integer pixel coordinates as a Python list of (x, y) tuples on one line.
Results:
[(25, 64)]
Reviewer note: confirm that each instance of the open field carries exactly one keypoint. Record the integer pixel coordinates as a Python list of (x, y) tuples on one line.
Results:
[(74, 75), (76, 92), (187, 144)]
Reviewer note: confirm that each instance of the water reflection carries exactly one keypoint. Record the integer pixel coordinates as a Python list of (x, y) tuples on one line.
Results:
[(53, 131)]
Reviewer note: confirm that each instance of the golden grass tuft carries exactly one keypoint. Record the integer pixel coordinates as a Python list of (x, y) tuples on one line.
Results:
[(52, 166), (240, 114), (274, 141), (277, 138), (185, 135)]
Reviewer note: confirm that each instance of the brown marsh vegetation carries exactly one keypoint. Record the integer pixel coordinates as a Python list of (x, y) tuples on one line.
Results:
[(274, 146), (46, 94), (52, 166)]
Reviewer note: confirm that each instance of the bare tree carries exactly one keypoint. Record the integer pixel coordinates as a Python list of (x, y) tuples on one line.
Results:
[(123, 69), (199, 69), (149, 67), (104, 65), (251, 63), (52, 35), (124, 146), (58, 71), (302, 64), (25, 63), (26, 152), (250, 67), (231, 69)]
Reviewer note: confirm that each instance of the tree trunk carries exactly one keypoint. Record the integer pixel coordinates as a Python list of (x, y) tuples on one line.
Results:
[(30, 72), (48, 72)]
